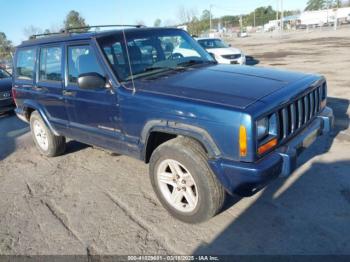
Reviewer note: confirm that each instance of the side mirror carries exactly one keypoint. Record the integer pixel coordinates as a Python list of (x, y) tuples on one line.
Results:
[(91, 81), (229, 45)]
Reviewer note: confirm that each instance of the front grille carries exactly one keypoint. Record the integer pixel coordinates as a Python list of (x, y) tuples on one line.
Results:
[(235, 56), (297, 114)]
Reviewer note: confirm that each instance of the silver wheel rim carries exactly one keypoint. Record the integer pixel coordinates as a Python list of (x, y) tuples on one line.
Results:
[(177, 185), (40, 135)]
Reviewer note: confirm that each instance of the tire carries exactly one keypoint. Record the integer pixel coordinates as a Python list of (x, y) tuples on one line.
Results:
[(188, 158), (46, 142)]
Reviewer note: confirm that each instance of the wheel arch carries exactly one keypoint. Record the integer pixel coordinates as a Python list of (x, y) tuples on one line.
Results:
[(171, 130), (30, 106)]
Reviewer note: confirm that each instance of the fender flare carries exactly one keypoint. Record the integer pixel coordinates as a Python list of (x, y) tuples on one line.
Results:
[(176, 128), (37, 107)]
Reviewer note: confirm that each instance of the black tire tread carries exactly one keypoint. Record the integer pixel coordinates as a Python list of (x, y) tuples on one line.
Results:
[(219, 195)]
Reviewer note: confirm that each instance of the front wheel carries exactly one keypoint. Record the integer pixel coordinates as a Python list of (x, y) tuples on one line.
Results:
[(47, 143), (183, 181)]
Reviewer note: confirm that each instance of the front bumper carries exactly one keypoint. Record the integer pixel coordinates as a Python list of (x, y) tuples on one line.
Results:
[(238, 61), (248, 178)]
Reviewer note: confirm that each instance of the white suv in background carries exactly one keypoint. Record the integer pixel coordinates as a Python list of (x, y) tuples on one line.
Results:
[(223, 53)]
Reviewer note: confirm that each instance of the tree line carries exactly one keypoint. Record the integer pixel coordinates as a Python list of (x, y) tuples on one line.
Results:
[(200, 24)]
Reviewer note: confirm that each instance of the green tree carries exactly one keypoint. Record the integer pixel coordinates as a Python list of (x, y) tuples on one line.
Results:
[(205, 15), (6, 47), (157, 23), (74, 19), (316, 5)]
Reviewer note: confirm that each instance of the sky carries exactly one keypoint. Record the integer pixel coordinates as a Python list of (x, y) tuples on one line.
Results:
[(19, 14)]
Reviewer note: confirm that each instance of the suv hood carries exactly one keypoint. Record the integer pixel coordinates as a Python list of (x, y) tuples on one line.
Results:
[(5, 84), (233, 86)]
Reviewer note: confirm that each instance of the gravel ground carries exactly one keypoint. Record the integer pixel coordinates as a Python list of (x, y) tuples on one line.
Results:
[(89, 201)]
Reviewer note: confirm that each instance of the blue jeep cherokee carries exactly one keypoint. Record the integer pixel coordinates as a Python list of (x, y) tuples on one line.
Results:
[(205, 129)]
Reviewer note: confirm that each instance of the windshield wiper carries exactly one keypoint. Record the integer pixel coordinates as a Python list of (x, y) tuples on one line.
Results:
[(153, 68), (148, 71), (194, 62)]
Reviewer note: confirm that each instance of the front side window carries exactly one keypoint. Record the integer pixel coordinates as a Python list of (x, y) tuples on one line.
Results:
[(25, 64), (82, 60), (152, 51), (50, 64)]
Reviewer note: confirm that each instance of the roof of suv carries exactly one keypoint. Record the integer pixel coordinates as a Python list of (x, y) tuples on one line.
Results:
[(83, 36)]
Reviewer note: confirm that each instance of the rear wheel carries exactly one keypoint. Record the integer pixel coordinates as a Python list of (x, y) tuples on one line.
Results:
[(183, 181), (47, 143)]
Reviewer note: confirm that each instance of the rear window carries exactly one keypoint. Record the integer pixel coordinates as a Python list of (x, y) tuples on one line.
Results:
[(25, 64), (50, 64)]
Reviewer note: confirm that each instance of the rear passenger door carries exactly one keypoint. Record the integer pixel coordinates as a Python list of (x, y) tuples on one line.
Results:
[(93, 114), (49, 84)]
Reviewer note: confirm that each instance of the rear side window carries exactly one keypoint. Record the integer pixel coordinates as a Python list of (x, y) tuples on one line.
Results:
[(50, 64), (25, 64), (82, 60)]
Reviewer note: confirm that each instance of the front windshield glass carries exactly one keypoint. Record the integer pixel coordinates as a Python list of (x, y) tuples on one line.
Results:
[(4, 74), (151, 52), (212, 43)]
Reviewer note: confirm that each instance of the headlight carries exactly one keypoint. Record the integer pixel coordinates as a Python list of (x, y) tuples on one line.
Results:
[(267, 126), (262, 127)]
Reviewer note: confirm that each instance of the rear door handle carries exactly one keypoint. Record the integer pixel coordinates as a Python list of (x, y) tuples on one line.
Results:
[(69, 93)]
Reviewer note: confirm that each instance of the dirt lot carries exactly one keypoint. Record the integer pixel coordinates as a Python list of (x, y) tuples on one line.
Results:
[(91, 202)]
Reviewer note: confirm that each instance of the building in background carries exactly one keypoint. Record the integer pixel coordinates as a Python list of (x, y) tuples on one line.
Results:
[(324, 17)]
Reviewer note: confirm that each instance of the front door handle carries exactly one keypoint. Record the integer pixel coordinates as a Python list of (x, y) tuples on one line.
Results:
[(69, 93), (38, 88)]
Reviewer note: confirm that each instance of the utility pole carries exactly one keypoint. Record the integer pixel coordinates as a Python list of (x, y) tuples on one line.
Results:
[(210, 7), (241, 23), (282, 16), (276, 13), (254, 18), (336, 17)]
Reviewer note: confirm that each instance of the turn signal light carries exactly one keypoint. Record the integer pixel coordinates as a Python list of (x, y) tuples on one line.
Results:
[(265, 147), (242, 141)]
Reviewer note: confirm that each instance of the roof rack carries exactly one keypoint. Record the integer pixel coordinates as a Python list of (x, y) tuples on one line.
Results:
[(75, 30)]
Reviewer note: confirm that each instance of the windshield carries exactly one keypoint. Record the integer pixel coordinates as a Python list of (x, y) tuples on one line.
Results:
[(4, 74), (151, 52), (212, 43)]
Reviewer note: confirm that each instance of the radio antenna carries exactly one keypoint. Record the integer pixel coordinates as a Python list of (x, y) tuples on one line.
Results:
[(130, 68)]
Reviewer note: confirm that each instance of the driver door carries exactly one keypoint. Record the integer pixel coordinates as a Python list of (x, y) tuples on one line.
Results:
[(92, 113)]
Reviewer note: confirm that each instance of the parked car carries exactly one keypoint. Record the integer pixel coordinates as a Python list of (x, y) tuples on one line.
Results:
[(242, 34), (6, 101), (223, 53), (204, 128)]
